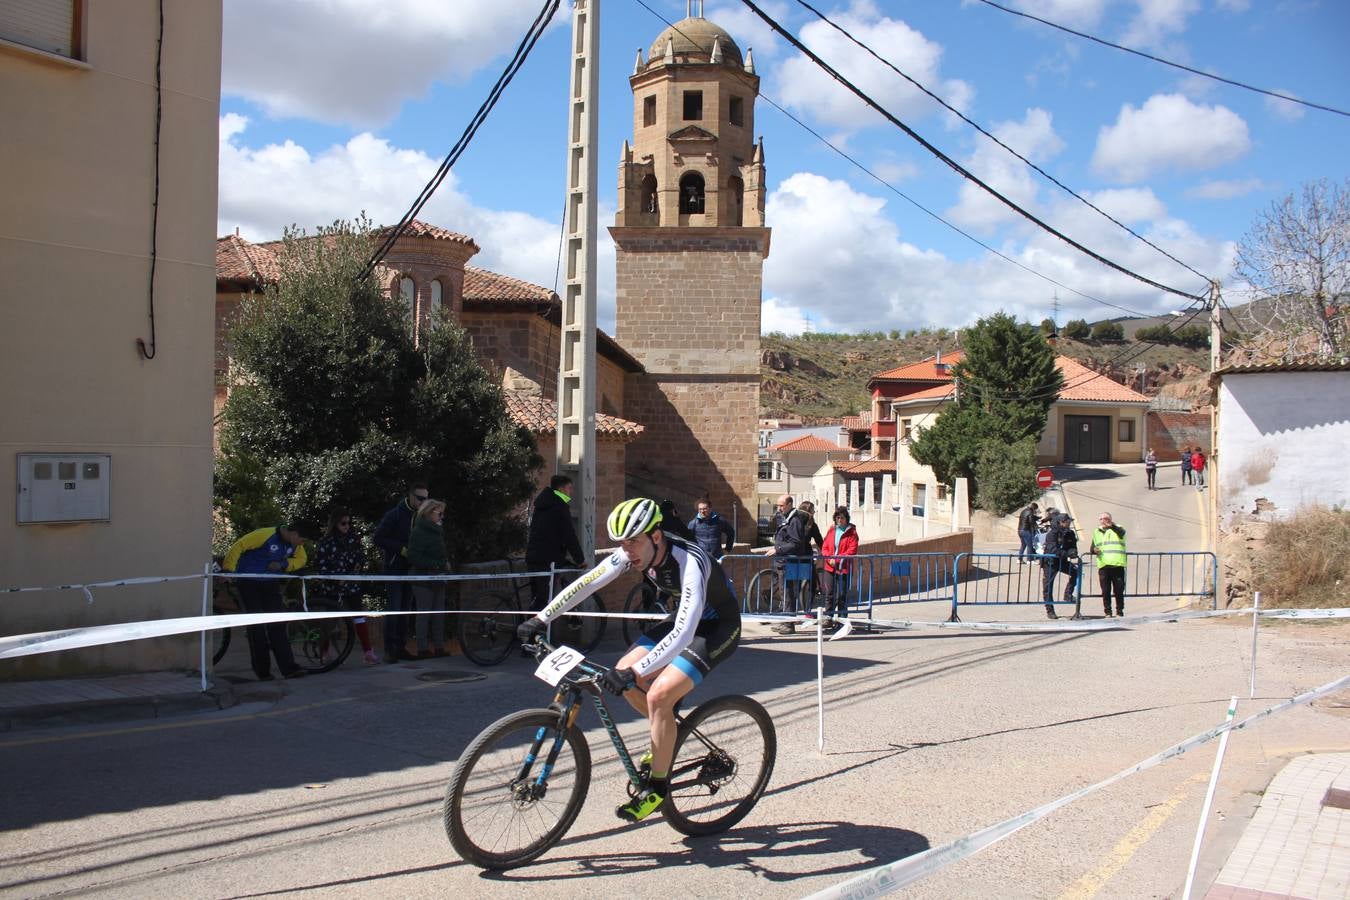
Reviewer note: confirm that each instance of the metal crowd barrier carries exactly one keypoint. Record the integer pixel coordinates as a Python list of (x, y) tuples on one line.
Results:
[(1164, 574)]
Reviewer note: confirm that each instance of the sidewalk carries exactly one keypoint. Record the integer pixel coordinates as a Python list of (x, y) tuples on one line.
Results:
[(1298, 843), (69, 701)]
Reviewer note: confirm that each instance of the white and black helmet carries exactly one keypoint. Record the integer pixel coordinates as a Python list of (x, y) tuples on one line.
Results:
[(632, 518)]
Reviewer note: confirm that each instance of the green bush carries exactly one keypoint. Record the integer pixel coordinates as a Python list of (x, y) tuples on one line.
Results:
[(1077, 329), (1108, 331), (1006, 476)]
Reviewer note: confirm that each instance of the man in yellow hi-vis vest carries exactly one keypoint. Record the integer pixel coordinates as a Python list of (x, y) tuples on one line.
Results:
[(1108, 545)]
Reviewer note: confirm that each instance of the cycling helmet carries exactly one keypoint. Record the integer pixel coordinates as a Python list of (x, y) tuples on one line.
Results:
[(633, 517)]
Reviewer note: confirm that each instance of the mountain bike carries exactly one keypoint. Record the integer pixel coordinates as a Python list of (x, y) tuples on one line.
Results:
[(520, 784), (488, 634), (319, 645), (644, 598)]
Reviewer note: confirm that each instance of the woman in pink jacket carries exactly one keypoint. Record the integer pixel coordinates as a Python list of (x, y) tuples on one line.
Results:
[(841, 542)]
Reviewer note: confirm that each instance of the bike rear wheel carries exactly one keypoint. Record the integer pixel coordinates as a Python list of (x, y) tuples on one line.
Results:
[(487, 636), (321, 645), (495, 814), (220, 638), (582, 633), (643, 598), (724, 755)]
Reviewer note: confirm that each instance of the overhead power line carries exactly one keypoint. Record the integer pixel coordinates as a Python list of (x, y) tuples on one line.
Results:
[(901, 194), (963, 117), (1166, 62), (532, 35), (953, 164)]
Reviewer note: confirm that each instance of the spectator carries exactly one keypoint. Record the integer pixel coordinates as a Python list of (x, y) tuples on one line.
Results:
[(814, 536), (1198, 469), (340, 553), (1043, 531), (791, 544), (261, 552), (1151, 469), (391, 536), (711, 530), (672, 523), (1061, 548), (1108, 545), (841, 542), (427, 556), (1186, 465), (553, 538), (1026, 533)]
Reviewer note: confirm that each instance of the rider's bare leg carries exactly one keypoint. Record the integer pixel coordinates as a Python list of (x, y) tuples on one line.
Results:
[(637, 697), (670, 685)]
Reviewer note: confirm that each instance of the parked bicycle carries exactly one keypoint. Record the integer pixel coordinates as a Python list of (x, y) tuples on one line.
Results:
[(520, 784), (319, 645), (488, 634)]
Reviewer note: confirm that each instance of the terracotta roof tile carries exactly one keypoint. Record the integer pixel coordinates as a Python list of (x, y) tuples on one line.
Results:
[(482, 285), (866, 467), (809, 442), (1081, 383), (238, 260), (418, 228), (540, 416), (860, 422), (924, 370), (927, 395)]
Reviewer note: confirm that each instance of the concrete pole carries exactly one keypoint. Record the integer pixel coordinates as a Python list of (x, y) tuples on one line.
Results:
[(575, 454)]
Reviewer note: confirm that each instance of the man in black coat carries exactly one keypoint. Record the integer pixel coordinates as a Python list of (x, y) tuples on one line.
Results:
[(791, 544), (391, 536), (1061, 549), (553, 539)]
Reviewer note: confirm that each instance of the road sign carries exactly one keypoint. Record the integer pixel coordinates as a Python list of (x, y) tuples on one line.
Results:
[(1044, 479)]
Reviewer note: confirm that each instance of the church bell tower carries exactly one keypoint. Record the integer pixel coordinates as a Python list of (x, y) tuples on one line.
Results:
[(691, 243)]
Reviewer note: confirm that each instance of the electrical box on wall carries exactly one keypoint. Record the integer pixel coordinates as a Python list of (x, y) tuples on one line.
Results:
[(64, 487)]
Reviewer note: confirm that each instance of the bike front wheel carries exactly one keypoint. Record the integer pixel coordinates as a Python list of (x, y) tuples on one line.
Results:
[(486, 637), (496, 813), (724, 755)]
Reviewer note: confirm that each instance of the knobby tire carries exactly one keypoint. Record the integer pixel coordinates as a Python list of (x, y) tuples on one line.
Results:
[(707, 796)]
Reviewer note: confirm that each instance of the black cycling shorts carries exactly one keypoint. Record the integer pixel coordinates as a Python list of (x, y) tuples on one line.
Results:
[(714, 640)]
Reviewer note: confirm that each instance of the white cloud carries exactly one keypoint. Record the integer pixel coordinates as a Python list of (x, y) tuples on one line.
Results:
[(775, 315), (356, 61), (264, 189), (1224, 190), (1073, 13), (749, 29), (802, 85), (1290, 112), (1158, 20), (839, 261), (1168, 132), (1034, 137)]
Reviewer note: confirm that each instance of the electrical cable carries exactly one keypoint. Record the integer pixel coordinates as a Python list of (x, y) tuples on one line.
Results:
[(962, 116), (1167, 62), (908, 199), (149, 352), (953, 164), (523, 49)]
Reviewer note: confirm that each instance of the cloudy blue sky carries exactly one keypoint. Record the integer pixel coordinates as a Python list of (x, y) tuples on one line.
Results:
[(333, 107)]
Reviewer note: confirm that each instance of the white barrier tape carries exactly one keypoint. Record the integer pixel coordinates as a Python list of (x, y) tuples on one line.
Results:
[(1112, 624), (903, 872), (96, 635), (121, 582)]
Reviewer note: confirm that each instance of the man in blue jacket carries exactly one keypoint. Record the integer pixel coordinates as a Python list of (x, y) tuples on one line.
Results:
[(268, 551), (391, 536), (710, 530)]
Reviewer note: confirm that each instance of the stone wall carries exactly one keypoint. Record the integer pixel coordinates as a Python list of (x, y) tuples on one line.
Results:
[(1168, 432)]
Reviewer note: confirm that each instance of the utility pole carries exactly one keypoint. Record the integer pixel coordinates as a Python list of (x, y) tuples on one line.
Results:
[(575, 455), (1215, 347), (1215, 327)]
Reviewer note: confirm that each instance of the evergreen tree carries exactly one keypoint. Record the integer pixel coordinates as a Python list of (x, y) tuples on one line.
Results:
[(1005, 387), (334, 405)]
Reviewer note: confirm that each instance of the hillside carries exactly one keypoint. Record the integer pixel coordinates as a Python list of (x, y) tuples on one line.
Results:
[(824, 376)]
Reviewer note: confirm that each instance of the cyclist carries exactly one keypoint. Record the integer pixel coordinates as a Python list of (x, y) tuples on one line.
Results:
[(674, 655)]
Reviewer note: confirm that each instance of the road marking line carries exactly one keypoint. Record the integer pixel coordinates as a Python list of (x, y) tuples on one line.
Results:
[(1128, 846)]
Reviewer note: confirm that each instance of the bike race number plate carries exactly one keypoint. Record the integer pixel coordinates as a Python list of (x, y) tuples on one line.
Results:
[(557, 664)]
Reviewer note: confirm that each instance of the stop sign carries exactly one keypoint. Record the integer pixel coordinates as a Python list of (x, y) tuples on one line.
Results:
[(1044, 479)]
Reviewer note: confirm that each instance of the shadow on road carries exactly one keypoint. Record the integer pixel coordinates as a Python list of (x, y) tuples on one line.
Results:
[(1072, 473)]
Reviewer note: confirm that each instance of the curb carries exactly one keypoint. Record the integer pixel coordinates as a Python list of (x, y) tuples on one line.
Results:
[(55, 715)]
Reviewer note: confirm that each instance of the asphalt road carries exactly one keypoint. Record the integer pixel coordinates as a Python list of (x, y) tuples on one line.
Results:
[(333, 784)]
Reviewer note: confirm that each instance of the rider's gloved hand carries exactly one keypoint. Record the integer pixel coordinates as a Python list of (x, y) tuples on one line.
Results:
[(616, 681), (530, 629)]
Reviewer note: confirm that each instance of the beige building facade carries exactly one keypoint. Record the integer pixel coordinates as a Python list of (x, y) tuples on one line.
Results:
[(690, 245), (107, 447)]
